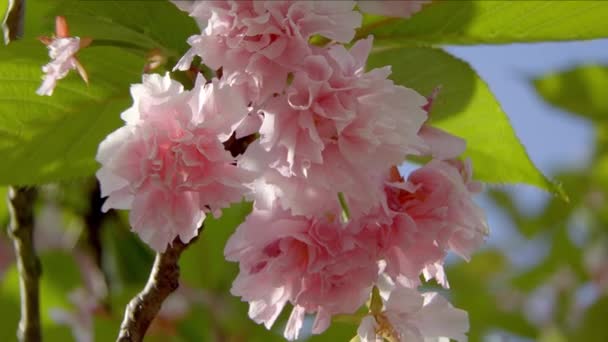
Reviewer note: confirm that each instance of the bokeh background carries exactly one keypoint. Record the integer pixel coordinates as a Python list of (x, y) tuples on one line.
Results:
[(543, 274)]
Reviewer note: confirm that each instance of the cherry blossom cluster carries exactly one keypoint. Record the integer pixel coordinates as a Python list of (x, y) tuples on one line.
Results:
[(333, 219)]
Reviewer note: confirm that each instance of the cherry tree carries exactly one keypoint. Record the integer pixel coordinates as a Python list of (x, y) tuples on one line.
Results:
[(285, 126)]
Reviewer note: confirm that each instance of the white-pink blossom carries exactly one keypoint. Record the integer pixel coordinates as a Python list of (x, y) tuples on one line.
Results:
[(440, 215), (392, 8), (318, 265), (62, 52), (410, 316), (337, 129), (168, 164), (265, 39), (438, 143)]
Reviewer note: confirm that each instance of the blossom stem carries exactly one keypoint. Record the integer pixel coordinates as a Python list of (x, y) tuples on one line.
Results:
[(345, 209), (21, 206), (12, 25), (164, 280)]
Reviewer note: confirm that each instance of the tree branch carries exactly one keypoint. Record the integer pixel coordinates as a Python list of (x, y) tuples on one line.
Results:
[(21, 229), (164, 280), (94, 220), (12, 25)]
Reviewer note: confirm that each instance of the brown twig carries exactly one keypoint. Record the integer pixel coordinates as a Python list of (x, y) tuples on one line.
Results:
[(164, 280), (12, 25), (94, 221), (21, 229)]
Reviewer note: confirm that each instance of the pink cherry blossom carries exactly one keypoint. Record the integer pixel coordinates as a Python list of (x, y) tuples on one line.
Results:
[(439, 144), (317, 265), (410, 316), (392, 8), (337, 129), (62, 50), (437, 198), (168, 164), (264, 39)]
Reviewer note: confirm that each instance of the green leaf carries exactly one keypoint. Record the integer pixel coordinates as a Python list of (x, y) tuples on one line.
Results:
[(337, 331), (203, 263), (144, 24), (581, 90), (593, 326), (3, 8), (39, 21), (465, 107), (493, 22), (127, 259), (45, 139)]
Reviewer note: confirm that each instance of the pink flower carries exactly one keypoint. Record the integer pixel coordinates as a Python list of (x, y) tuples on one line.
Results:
[(438, 143), (409, 316), (62, 50), (265, 39), (392, 8), (317, 265), (438, 199), (168, 164), (337, 129)]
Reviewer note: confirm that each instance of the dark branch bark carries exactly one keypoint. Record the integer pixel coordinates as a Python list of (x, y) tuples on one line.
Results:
[(12, 25), (164, 280), (21, 229), (94, 220)]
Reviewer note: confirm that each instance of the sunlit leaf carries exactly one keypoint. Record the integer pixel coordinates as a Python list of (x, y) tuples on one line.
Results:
[(44, 139), (466, 107), (203, 263), (139, 24), (127, 259), (494, 22)]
